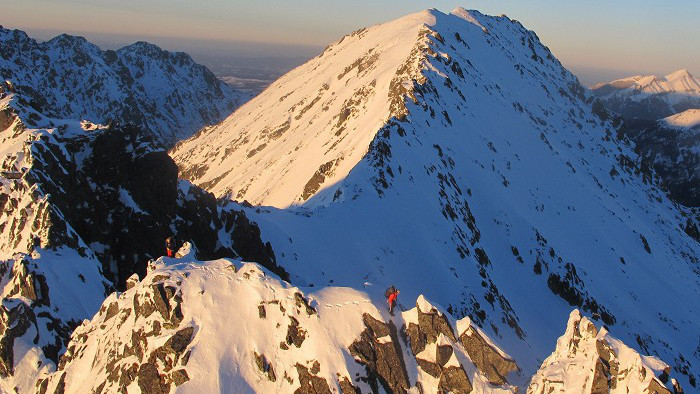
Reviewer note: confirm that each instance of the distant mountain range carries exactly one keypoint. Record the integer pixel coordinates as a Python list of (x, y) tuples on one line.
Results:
[(650, 97), (67, 77), (661, 116)]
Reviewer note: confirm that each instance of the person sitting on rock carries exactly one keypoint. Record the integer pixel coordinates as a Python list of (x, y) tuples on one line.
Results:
[(170, 246), (391, 294)]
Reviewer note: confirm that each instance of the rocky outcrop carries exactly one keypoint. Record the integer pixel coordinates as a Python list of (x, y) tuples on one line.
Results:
[(494, 364), (310, 384), (84, 207), (379, 350), (432, 339), (589, 360), (153, 353)]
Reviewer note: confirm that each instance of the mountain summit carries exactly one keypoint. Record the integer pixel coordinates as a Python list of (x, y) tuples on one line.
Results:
[(452, 155)]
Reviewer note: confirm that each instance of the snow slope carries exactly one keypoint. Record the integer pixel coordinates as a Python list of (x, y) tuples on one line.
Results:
[(228, 326), (687, 119), (458, 159), (67, 77)]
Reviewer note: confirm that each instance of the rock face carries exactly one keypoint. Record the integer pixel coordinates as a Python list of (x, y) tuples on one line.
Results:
[(439, 350), (67, 77), (445, 154), (83, 208), (672, 146), (589, 360), (169, 332), (383, 359)]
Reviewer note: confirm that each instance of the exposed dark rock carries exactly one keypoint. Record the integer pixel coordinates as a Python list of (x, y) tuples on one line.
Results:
[(430, 368), (178, 342), (265, 367), (383, 361), (443, 354), (295, 334), (112, 310), (301, 301), (601, 378), (487, 359), (430, 325), (61, 385), (346, 387), (150, 381), (14, 322), (317, 179), (454, 380), (179, 377), (310, 384)]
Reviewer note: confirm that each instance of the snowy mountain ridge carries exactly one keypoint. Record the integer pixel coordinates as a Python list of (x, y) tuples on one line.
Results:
[(679, 81), (167, 333), (457, 145), (650, 96), (67, 77)]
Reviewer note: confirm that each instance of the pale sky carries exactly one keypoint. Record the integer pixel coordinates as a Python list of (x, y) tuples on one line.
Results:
[(591, 36)]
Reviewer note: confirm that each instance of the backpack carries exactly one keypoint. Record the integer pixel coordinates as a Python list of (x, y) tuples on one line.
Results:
[(391, 290)]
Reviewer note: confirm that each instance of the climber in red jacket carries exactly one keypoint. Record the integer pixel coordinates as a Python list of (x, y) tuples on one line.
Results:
[(170, 246), (391, 294)]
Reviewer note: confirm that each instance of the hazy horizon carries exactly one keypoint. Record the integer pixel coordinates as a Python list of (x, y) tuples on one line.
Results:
[(252, 47)]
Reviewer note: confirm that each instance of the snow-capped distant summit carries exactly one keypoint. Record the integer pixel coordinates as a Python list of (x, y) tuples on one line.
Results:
[(660, 114), (650, 97), (452, 155), (68, 77)]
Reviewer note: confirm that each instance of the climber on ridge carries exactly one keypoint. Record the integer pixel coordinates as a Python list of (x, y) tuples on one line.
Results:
[(170, 247), (391, 293)]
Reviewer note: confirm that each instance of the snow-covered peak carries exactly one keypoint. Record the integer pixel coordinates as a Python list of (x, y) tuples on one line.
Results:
[(447, 161), (678, 82), (650, 97), (468, 15), (314, 125), (679, 74)]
